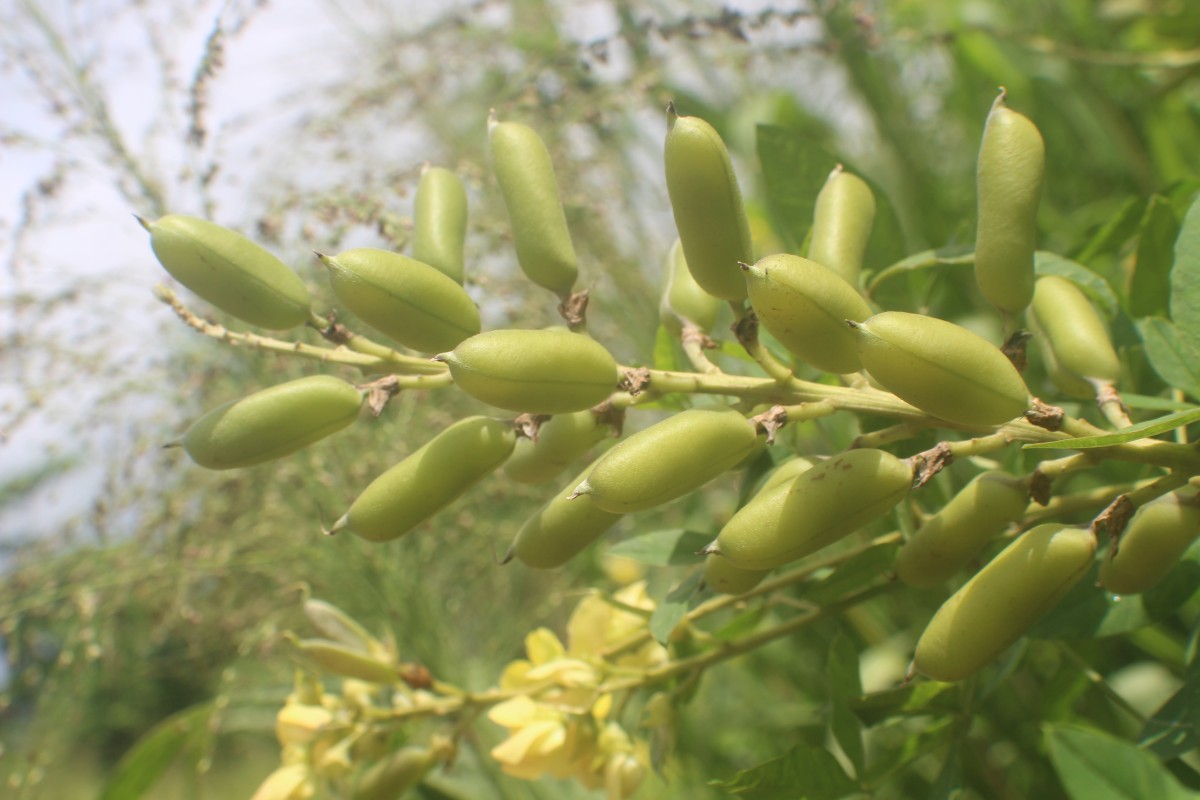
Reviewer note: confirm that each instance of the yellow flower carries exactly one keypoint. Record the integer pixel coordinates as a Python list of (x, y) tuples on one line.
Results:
[(597, 624), (622, 761), (542, 740), (287, 783), (548, 667), (300, 723)]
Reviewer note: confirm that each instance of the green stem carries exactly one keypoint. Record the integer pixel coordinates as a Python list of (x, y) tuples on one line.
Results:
[(1097, 680), (732, 649), (411, 369), (914, 263), (694, 340), (1055, 468), (339, 334), (893, 433), (1087, 500), (768, 586), (1155, 489)]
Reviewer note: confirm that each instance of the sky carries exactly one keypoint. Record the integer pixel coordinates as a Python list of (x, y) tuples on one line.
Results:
[(81, 377), (77, 374)]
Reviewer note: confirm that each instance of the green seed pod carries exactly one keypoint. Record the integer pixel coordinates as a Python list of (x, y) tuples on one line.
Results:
[(805, 306), (337, 659), (683, 299), (822, 505), (1012, 160), (340, 626), (1074, 333), (440, 221), (539, 372), (562, 440), (725, 578), (230, 271), (941, 368), (1156, 538), (842, 224), (1003, 600), (521, 164), (272, 423), (392, 778), (1066, 382), (561, 529), (429, 479), (669, 459), (959, 531), (708, 206), (786, 472), (409, 301)]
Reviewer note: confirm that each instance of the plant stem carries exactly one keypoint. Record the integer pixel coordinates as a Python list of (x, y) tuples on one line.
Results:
[(371, 359), (766, 587), (732, 649), (1097, 680)]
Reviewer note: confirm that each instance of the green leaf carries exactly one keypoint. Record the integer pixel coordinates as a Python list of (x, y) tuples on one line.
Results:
[(915, 741), (1047, 263), (1115, 232), (845, 686), (1143, 430), (1185, 279), (794, 169), (925, 698), (855, 573), (1155, 403), (670, 547), (665, 350), (1095, 766), (1174, 730), (673, 608), (1175, 361), (960, 256), (742, 624), (1149, 286), (141, 767), (949, 783), (842, 669), (795, 166), (804, 773), (1088, 611)]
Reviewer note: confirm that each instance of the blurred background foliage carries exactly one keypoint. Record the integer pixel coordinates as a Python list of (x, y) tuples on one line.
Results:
[(173, 589)]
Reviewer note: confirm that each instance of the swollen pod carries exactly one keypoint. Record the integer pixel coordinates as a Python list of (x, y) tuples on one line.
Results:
[(403, 298), (525, 174), (272, 423), (534, 371), (948, 540), (1012, 161), (941, 368), (1156, 538), (805, 306), (440, 222), (561, 529), (1075, 335), (707, 204), (683, 299), (561, 441), (230, 271), (816, 509), (842, 223), (429, 479), (1002, 601), (669, 459)]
